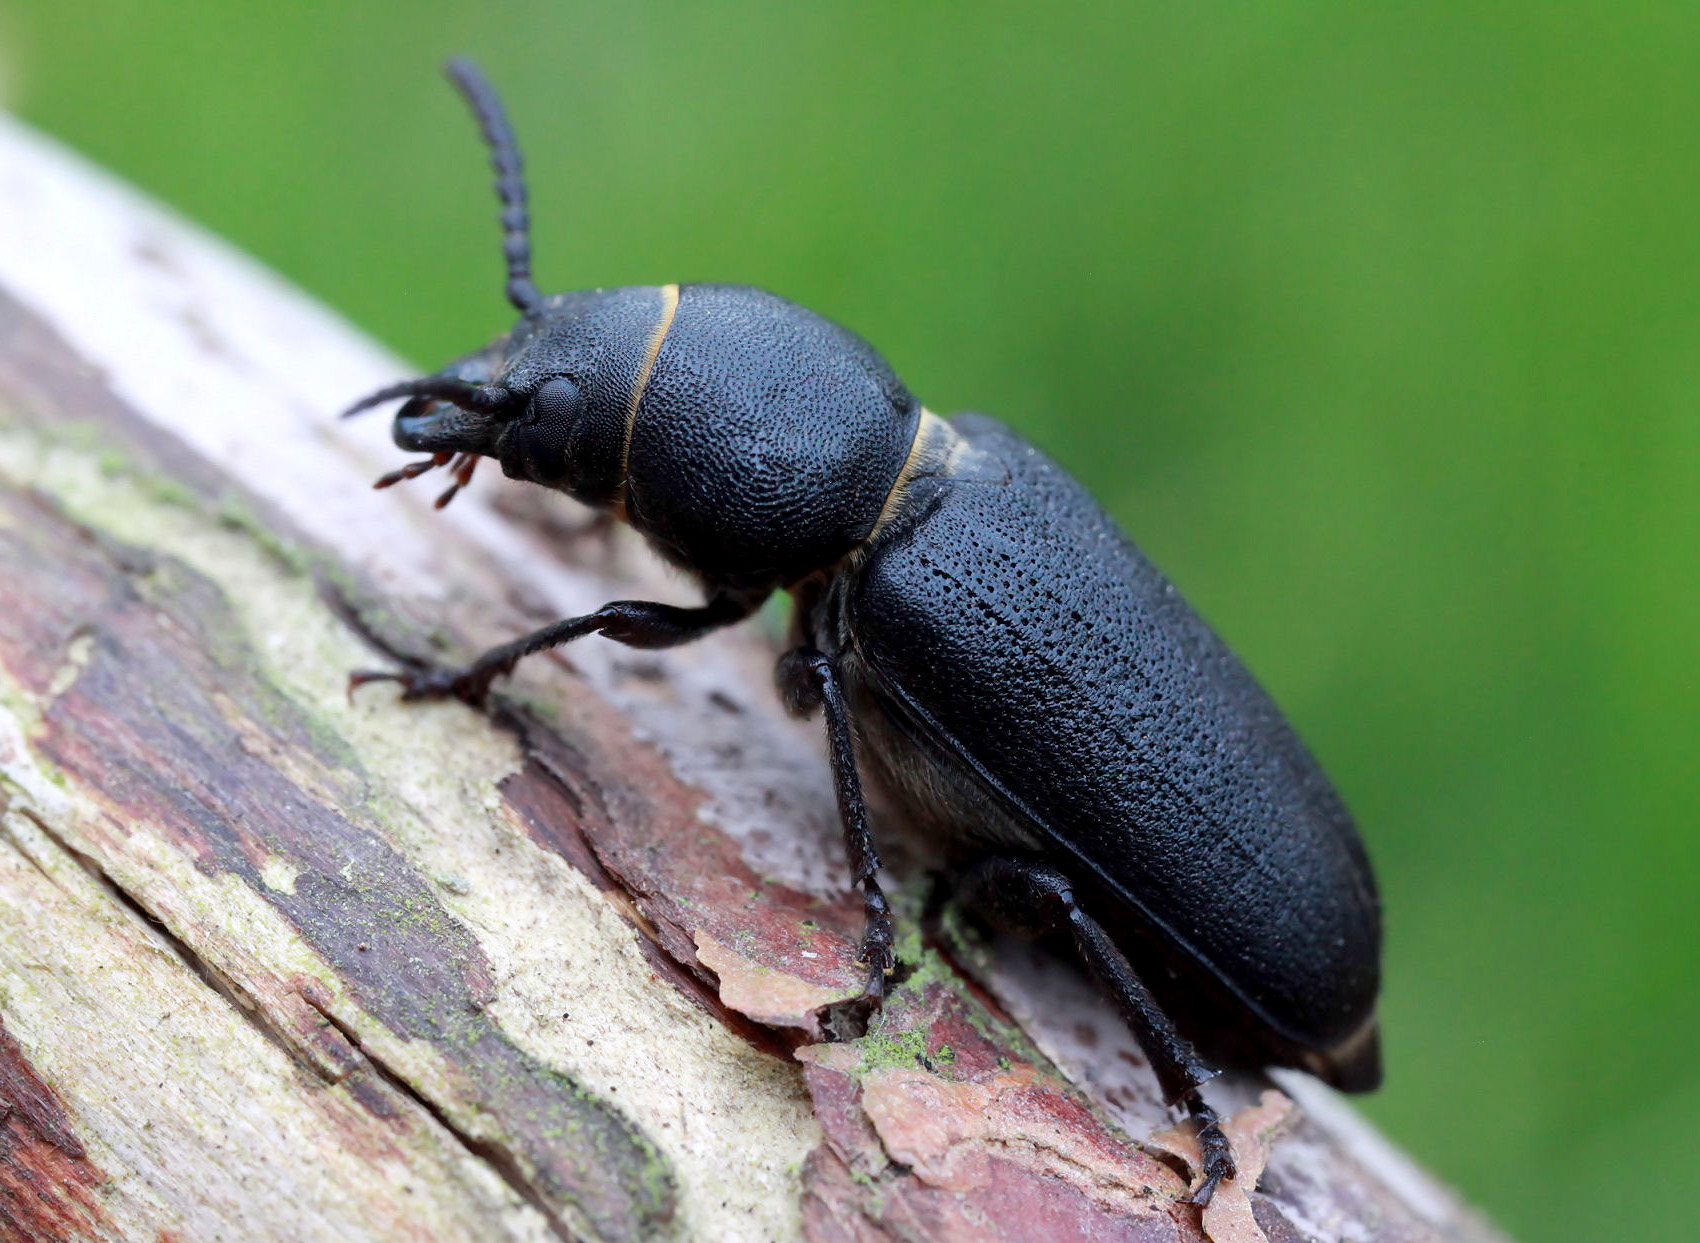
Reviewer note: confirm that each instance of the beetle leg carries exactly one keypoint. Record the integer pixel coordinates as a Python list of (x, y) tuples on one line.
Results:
[(807, 679), (636, 623), (1030, 898)]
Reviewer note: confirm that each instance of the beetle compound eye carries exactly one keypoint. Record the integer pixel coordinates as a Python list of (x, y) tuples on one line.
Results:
[(547, 429), (556, 403)]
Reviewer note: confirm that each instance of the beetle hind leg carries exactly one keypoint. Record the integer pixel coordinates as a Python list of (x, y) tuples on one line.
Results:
[(1030, 898), (808, 680)]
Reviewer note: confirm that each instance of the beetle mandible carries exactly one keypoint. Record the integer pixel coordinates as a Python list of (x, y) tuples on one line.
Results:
[(976, 631)]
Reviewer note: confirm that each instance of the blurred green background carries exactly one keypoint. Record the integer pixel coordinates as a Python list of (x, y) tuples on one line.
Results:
[(1377, 325)]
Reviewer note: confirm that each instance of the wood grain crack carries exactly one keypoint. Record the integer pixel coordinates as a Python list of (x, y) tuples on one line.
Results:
[(501, 1162), (247, 1007)]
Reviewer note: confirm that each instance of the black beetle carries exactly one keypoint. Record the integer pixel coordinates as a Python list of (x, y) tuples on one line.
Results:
[(979, 632)]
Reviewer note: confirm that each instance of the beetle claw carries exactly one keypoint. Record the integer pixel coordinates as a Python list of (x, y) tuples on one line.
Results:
[(360, 677)]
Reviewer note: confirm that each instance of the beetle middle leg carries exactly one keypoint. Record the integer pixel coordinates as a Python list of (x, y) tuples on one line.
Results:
[(636, 623), (808, 679), (1027, 897)]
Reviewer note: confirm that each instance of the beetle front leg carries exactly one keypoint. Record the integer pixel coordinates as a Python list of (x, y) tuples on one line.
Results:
[(636, 623), (1031, 898), (808, 679)]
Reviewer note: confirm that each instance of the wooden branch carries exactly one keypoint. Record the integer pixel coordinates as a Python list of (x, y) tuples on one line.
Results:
[(279, 964)]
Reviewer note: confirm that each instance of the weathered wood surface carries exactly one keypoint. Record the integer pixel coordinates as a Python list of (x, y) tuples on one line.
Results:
[(275, 964)]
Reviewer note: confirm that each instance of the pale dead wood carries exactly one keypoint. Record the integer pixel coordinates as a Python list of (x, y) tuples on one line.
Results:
[(274, 964)]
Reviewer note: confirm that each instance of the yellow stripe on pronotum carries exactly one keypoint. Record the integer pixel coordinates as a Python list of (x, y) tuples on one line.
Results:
[(652, 350)]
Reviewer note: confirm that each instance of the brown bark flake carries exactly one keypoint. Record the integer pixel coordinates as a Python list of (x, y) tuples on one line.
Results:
[(47, 1183), (939, 1125)]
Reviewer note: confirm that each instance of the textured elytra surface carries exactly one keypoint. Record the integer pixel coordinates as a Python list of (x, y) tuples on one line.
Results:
[(547, 865), (1129, 740)]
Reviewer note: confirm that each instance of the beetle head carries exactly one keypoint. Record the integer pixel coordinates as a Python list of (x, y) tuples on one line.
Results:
[(519, 399), (548, 400)]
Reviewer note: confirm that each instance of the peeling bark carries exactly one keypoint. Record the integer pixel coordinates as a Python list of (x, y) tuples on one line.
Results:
[(278, 964), (47, 1184)]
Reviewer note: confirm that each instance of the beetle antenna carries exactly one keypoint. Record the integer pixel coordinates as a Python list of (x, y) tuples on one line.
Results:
[(505, 158), (463, 393)]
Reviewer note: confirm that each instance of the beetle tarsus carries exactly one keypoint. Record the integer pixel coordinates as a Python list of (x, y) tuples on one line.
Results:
[(1217, 1158), (470, 685), (876, 947)]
